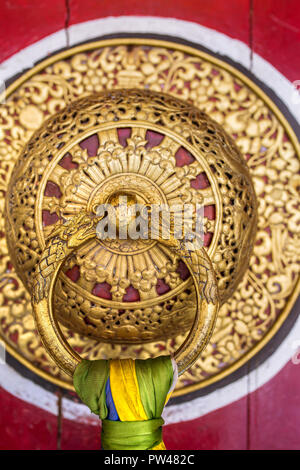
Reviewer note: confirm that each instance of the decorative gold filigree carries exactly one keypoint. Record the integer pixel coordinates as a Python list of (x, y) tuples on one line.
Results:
[(148, 171), (264, 297)]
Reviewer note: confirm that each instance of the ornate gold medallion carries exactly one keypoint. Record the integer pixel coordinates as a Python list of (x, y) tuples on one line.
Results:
[(157, 150)]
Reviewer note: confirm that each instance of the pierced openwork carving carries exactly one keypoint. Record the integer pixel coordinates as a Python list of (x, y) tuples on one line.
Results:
[(264, 297), (87, 133)]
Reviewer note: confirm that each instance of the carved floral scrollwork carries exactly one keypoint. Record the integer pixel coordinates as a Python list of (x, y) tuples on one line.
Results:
[(263, 137)]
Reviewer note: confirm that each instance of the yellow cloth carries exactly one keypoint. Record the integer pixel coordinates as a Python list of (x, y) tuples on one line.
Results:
[(125, 390)]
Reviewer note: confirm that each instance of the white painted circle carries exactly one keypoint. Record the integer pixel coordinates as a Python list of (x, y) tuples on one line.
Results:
[(219, 43)]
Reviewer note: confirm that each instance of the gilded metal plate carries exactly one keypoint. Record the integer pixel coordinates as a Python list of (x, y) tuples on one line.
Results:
[(265, 296)]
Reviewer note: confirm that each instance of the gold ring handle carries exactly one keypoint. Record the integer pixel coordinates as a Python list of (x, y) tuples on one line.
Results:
[(76, 232)]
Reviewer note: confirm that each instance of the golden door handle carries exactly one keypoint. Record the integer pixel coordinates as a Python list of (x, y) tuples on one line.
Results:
[(76, 232)]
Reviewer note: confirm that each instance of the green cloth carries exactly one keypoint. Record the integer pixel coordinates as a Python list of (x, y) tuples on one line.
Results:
[(155, 378), (131, 435), (89, 380)]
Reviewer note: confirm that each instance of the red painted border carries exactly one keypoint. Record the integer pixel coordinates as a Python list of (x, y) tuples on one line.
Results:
[(270, 27), (24, 426), (266, 419)]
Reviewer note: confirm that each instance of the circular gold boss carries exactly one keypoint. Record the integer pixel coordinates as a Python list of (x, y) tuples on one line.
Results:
[(160, 150)]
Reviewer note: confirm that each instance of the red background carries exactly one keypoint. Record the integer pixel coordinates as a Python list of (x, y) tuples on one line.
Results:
[(269, 27), (266, 419)]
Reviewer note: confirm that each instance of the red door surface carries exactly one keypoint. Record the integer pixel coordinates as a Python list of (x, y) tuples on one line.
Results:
[(255, 408)]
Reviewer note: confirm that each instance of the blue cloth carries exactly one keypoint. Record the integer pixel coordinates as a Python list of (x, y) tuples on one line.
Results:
[(112, 412)]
